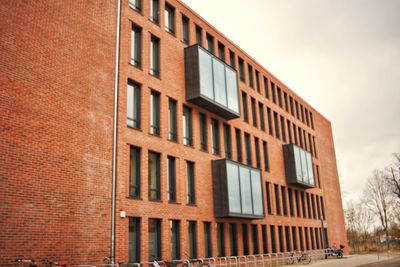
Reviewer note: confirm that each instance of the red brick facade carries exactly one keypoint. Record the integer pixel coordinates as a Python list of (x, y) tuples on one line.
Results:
[(56, 106)]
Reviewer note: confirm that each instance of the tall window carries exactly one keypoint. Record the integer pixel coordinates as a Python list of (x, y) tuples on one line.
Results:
[(266, 159), (290, 137), (215, 136), (174, 226), (172, 114), (266, 87), (245, 237), (245, 107), (232, 59), (294, 238), (301, 238), (291, 105), (171, 179), (284, 203), (203, 132), (250, 71), (238, 136), (308, 205), (254, 112), (221, 51), (155, 56), (154, 237), (277, 200), (154, 176), (276, 125), (228, 142), (257, 149), (233, 239), (185, 29), (291, 209), (269, 200), (261, 114), (279, 97), (297, 109), (258, 81), (273, 92), (221, 239), (248, 148), (287, 237), (254, 238), (210, 43), (136, 46), (286, 101), (270, 129), (207, 240), (192, 239), (154, 11), (264, 238), (136, 5), (190, 182), (273, 238), (134, 181), (296, 196), (199, 35), (283, 129), (303, 205), (169, 18), (134, 239), (187, 126), (241, 69), (133, 105), (280, 239), (155, 113)]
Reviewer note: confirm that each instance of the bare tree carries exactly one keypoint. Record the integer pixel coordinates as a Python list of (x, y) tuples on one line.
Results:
[(394, 175)]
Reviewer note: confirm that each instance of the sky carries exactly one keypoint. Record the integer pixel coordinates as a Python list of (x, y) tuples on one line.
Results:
[(342, 57)]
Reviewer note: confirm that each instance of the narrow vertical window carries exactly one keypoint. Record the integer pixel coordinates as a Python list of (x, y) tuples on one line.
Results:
[(185, 29), (136, 46), (302, 113), (171, 165), (266, 159), (291, 209), (134, 181), (155, 56), (232, 59), (233, 239), (300, 134), (192, 239), (286, 101), (172, 115), (322, 207), (318, 208), (238, 135), (295, 134), (154, 11), (154, 176), (155, 113), (250, 72), (254, 238), (276, 125), (273, 92), (311, 120), (207, 240), (301, 239), (248, 148), (221, 51), (199, 35), (227, 141), (270, 129), (245, 107), (261, 114), (257, 150), (258, 81), (245, 239), (191, 199), (308, 205), (296, 197), (269, 200), (297, 109), (175, 239), (279, 97), (169, 19), (273, 238), (221, 239), (315, 147), (307, 238), (310, 144), (203, 132), (307, 120), (241, 69), (210, 43), (187, 126), (154, 238), (264, 238), (303, 206), (291, 105), (287, 238), (254, 112), (133, 105), (290, 137), (277, 200), (266, 87), (283, 129), (136, 5), (294, 238), (284, 203), (215, 136), (312, 238), (134, 239), (280, 239)]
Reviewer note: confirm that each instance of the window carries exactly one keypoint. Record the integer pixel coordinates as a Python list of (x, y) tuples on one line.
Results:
[(254, 238), (280, 239), (171, 179), (136, 46), (154, 176), (248, 148), (228, 142), (251, 81), (297, 109), (276, 125), (313, 206), (232, 59), (290, 193), (169, 19), (203, 132), (273, 92), (254, 112), (295, 134), (303, 206), (134, 172), (266, 159), (315, 147), (133, 105), (245, 107), (238, 135), (172, 114), (136, 5), (154, 11), (323, 207), (210, 43), (284, 203), (174, 226), (287, 238), (307, 120), (294, 238), (286, 103), (221, 51), (221, 239), (245, 239), (283, 129), (261, 114), (199, 35), (310, 144), (233, 239), (215, 136), (290, 137), (308, 205), (187, 126), (307, 238), (190, 182), (258, 81), (264, 238), (185, 29), (291, 105), (268, 192), (241, 69), (155, 56), (154, 236), (277, 200), (134, 239), (301, 238), (155, 113), (207, 239), (192, 240), (273, 238), (302, 113), (296, 196), (312, 121), (257, 149), (266, 87), (279, 97)]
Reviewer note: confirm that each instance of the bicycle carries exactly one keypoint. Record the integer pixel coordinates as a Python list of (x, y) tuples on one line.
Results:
[(192, 262), (53, 263), (303, 258), (22, 261)]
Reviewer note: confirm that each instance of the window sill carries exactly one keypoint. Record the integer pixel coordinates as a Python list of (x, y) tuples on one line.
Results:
[(174, 203), (173, 141), (155, 22), (134, 198), (191, 205), (185, 42), (155, 135), (155, 200), (155, 76), (135, 66), (137, 10), (170, 32), (134, 128)]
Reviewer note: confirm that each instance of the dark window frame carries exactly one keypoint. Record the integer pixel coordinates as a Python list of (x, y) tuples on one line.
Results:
[(134, 182)]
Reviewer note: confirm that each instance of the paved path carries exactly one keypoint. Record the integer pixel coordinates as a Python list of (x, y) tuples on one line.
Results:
[(359, 260)]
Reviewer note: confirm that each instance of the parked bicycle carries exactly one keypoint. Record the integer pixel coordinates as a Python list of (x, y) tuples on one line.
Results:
[(299, 257), (194, 262), (26, 262), (53, 263)]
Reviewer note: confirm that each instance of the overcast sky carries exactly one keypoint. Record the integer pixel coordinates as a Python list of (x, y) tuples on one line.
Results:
[(342, 57)]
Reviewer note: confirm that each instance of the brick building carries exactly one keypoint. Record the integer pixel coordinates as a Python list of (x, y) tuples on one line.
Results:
[(215, 155)]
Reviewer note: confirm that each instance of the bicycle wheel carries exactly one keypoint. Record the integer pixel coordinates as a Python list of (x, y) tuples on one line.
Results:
[(306, 259), (291, 260)]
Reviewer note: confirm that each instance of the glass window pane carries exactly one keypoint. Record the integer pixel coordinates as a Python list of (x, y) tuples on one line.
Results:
[(233, 187), (206, 78), (310, 169), (304, 166), (297, 161), (245, 185), (232, 90), (219, 82), (129, 106), (257, 193)]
